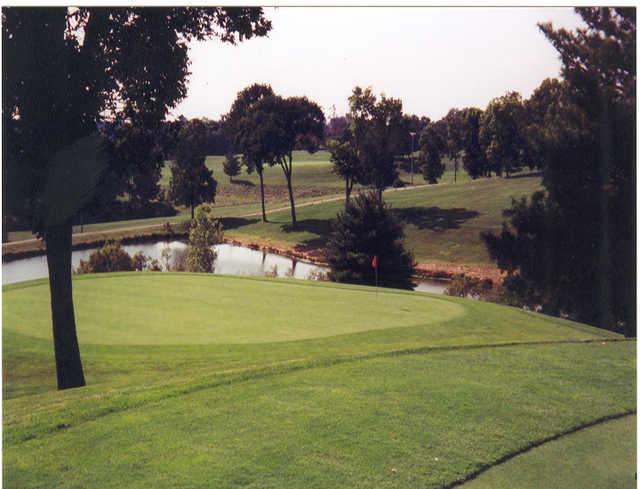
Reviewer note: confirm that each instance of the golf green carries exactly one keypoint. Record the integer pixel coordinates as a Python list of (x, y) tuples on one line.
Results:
[(154, 309)]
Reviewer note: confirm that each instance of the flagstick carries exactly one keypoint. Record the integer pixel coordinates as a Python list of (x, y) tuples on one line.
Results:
[(376, 269)]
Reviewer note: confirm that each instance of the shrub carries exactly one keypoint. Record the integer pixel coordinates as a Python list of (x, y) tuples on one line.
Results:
[(142, 262), (483, 289), (165, 257), (206, 231), (153, 265), (273, 273), (366, 229), (463, 286), (180, 260), (110, 258), (231, 166), (318, 275)]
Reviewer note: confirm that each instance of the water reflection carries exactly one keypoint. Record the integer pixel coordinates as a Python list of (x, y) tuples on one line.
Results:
[(231, 260)]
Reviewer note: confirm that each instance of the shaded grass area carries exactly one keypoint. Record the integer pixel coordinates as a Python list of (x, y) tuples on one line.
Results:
[(409, 421), (600, 456)]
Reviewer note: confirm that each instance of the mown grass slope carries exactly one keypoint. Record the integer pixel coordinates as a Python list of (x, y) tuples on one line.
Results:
[(318, 385), (599, 456)]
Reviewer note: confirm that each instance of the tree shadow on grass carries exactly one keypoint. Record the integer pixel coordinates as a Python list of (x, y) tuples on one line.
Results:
[(237, 222), (525, 174), (244, 183), (435, 218), (319, 227)]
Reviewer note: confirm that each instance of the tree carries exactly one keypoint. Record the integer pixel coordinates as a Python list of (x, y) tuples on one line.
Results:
[(244, 129), (377, 134), (206, 232), (65, 70), (366, 229), (141, 155), (434, 145), (501, 133), (337, 129), (411, 123), (454, 137), (345, 164), (287, 123), (571, 249), (474, 159), (191, 181), (110, 258), (543, 110), (231, 166)]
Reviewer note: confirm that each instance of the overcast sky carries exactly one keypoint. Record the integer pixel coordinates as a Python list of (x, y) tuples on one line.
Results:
[(431, 58)]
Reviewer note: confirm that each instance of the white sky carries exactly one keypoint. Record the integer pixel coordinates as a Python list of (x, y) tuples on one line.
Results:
[(431, 58)]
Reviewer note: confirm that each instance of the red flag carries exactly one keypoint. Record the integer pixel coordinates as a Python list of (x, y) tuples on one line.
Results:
[(374, 262)]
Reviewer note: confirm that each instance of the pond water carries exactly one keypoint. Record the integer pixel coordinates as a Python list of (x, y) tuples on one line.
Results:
[(231, 260)]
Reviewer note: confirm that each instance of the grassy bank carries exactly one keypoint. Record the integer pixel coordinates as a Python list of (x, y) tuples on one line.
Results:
[(442, 222), (200, 381)]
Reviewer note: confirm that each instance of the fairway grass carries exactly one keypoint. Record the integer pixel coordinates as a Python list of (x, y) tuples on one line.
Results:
[(442, 223), (209, 381), (600, 456)]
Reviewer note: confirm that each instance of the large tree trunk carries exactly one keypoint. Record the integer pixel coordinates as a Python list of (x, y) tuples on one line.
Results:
[(65, 340), (294, 223), (264, 212), (347, 189)]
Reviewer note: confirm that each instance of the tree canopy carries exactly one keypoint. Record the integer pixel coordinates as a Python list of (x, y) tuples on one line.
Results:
[(346, 164), (377, 134), (68, 70), (244, 127), (433, 144), (501, 133), (571, 249), (287, 124), (191, 183)]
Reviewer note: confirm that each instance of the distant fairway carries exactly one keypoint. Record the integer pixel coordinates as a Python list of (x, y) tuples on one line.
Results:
[(442, 222), (209, 381)]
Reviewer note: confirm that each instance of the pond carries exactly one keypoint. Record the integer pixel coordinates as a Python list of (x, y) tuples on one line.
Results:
[(231, 260)]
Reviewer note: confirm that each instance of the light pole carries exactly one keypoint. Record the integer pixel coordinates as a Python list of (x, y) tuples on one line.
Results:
[(413, 135)]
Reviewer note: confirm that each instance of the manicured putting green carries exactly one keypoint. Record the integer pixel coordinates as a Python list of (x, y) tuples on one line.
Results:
[(155, 309)]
